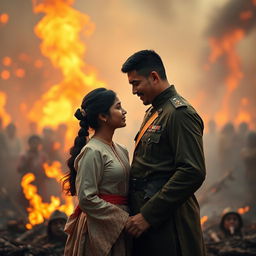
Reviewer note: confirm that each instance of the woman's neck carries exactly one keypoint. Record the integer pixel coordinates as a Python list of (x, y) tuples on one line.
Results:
[(104, 135)]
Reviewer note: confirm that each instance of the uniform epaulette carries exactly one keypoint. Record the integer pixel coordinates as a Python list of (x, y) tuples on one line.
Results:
[(177, 101)]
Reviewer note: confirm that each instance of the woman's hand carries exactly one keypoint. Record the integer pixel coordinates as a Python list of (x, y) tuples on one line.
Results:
[(136, 225)]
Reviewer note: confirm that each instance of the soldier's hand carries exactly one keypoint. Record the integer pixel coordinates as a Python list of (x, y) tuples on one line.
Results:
[(136, 225)]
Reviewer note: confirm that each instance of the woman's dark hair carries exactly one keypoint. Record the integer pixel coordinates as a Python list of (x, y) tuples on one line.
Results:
[(94, 103)]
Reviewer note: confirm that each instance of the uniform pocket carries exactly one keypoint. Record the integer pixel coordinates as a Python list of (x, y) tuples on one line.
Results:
[(150, 145), (154, 138)]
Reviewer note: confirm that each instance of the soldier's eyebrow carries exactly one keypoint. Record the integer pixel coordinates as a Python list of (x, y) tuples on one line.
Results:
[(134, 81)]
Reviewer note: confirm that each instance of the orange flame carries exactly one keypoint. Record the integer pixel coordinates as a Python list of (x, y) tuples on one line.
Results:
[(59, 30), (225, 46), (54, 171), (203, 219), (244, 114), (5, 117), (38, 210), (243, 210)]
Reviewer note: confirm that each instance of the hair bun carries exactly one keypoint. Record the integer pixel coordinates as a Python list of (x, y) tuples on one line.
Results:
[(78, 114)]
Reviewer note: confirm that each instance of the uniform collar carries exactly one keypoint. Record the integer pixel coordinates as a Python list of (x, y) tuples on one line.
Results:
[(164, 96)]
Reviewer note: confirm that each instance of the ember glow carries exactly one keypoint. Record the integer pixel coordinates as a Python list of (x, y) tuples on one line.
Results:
[(59, 30), (38, 211), (5, 74), (4, 18), (203, 220), (243, 210), (7, 61)]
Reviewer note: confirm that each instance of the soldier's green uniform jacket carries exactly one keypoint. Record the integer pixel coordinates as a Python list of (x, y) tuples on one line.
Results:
[(168, 167)]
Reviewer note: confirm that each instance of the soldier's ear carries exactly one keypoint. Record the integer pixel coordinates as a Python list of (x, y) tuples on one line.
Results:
[(155, 76)]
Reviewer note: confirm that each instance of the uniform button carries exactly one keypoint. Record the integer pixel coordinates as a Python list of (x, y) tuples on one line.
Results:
[(148, 139)]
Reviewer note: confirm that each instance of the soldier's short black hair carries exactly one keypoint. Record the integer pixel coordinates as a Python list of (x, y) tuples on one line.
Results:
[(144, 62)]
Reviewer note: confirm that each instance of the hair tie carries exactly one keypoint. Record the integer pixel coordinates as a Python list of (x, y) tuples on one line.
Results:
[(83, 112)]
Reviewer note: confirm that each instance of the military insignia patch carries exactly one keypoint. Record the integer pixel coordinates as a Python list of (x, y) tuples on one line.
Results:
[(178, 102), (154, 128)]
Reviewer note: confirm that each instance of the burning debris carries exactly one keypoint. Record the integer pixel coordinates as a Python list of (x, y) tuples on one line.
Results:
[(44, 239)]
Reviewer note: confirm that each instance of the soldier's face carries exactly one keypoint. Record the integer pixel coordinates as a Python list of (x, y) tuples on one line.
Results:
[(142, 87)]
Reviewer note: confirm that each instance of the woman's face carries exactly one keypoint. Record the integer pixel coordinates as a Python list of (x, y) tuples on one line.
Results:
[(117, 114)]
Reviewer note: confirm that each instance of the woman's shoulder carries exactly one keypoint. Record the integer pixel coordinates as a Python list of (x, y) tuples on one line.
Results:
[(122, 148), (90, 148), (93, 145)]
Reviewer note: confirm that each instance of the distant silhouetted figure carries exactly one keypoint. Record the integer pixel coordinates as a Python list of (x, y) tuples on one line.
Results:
[(248, 154), (32, 162), (227, 147), (13, 153)]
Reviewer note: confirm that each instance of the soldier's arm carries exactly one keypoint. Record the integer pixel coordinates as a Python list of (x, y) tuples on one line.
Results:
[(185, 129)]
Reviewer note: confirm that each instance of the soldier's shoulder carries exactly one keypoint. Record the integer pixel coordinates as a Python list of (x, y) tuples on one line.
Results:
[(178, 102)]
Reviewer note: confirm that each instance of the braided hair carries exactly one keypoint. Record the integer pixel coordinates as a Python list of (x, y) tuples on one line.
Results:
[(94, 103)]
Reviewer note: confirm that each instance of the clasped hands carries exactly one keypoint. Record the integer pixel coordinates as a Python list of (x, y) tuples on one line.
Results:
[(136, 225)]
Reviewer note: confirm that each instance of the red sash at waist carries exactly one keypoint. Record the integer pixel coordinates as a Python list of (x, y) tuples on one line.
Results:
[(113, 199)]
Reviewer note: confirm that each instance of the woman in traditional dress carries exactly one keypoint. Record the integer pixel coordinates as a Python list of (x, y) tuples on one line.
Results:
[(98, 176)]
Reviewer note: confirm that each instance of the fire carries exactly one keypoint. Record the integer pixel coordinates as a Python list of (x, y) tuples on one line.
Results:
[(204, 219), (59, 30), (243, 210), (54, 171), (38, 210), (5, 117), (244, 114), (225, 46)]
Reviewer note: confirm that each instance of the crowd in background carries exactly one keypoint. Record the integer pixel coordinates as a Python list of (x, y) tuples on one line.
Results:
[(28, 154), (230, 154)]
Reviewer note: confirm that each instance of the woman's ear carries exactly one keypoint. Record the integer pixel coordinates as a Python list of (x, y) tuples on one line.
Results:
[(103, 118)]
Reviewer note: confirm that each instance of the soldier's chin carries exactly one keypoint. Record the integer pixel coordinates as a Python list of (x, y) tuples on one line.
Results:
[(145, 102)]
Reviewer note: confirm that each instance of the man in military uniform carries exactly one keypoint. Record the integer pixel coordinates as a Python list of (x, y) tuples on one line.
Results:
[(168, 165)]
